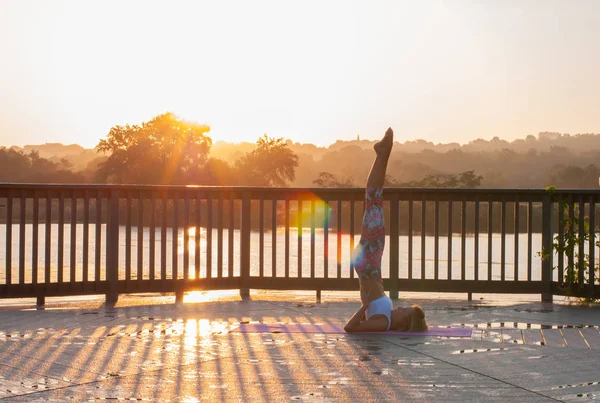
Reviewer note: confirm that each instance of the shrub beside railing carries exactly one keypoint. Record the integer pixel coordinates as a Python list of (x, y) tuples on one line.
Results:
[(575, 242)]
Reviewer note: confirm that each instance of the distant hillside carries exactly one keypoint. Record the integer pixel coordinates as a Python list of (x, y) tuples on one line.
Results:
[(52, 149), (75, 154), (530, 162), (576, 143), (231, 151)]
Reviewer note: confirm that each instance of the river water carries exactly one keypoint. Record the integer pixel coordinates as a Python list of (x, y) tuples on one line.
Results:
[(280, 259)]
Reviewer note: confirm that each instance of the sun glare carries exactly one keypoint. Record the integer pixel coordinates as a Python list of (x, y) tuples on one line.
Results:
[(192, 231), (195, 328), (208, 296)]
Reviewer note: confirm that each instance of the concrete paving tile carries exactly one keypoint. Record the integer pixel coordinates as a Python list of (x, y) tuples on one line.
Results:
[(14, 383), (228, 379), (589, 390), (554, 338), (33, 368), (534, 369), (180, 352), (574, 338), (592, 337), (493, 335), (533, 336), (512, 336)]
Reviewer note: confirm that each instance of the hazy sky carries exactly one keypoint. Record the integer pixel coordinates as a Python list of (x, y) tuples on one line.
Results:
[(311, 71)]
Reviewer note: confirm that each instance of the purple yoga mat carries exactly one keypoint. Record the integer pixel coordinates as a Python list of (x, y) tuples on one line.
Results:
[(327, 328)]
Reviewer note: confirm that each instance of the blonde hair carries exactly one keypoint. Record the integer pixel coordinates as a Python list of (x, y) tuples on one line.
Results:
[(417, 320)]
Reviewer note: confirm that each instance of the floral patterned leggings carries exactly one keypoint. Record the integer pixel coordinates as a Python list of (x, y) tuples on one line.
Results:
[(369, 251)]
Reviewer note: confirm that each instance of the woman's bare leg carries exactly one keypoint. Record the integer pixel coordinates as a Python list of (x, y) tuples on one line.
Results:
[(383, 148), (376, 180)]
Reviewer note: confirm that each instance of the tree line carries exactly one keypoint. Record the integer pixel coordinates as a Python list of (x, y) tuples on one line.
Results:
[(168, 150)]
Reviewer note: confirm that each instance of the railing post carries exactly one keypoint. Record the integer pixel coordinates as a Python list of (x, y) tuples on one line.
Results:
[(245, 246), (547, 251), (394, 244), (112, 249)]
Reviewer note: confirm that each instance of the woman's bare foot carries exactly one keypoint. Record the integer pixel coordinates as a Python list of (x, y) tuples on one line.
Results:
[(384, 146)]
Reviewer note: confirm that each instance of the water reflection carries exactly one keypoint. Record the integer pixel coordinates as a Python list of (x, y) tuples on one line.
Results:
[(206, 296), (205, 252)]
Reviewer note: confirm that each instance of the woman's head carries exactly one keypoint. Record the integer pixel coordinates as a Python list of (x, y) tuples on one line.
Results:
[(409, 319)]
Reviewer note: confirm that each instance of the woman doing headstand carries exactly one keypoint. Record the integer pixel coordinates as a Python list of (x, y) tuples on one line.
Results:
[(377, 312)]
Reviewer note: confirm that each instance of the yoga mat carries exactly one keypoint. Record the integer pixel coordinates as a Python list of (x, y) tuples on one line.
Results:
[(327, 328)]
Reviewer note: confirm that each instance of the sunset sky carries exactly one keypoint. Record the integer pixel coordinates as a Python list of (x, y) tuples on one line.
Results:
[(311, 71)]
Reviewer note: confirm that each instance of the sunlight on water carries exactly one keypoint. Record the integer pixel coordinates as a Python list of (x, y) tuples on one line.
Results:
[(329, 212), (192, 231), (205, 296), (191, 245), (306, 253)]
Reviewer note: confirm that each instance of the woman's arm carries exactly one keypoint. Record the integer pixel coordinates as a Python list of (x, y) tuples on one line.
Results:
[(376, 324), (355, 320), (356, 323)]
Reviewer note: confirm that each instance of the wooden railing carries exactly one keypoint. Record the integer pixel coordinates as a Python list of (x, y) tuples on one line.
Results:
[(61, 240)]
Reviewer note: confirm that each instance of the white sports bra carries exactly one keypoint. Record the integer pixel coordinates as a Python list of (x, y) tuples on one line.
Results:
[(381, 306)]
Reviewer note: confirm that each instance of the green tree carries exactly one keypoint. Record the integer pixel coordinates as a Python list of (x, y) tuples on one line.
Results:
[(574, 176), (165, 150), (14, 165), (328, 180), (218, 172), (17, 167), (271, 163), (467, 179)]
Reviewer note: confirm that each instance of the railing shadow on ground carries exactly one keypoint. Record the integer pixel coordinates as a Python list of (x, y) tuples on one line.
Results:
[(173, 353), (166, 352)]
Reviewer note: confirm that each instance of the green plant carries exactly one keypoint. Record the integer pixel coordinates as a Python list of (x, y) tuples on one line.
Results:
[(574, 235), (571, 241)]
